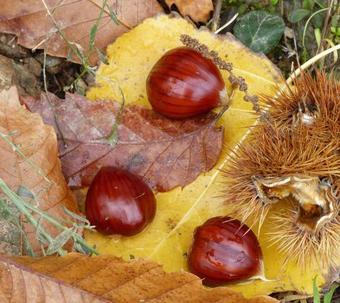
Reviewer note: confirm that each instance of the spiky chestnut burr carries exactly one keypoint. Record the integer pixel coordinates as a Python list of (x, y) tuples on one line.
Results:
[(320, 245), (310, 101), (298, 165), (269, 157)]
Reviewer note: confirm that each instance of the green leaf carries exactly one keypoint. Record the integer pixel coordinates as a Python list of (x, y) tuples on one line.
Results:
[(317, 34), (319, 18), (308, 4), (298, 14), (259, 30), (274, 2), (335, 21), (316, 294), (328, 296)]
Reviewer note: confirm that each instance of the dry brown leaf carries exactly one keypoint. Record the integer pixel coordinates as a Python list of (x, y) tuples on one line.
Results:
[(78, 278), (38, 169), (33, 25), (197, 10), (165, 152)]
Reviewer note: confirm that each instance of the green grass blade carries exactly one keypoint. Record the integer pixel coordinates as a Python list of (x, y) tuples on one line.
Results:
[(329, 295), (316, 294)]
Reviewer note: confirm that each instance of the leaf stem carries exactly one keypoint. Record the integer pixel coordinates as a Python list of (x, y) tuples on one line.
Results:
[(307, 23)]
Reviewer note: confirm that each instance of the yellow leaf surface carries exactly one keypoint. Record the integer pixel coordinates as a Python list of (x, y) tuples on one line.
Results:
[(168, 239)]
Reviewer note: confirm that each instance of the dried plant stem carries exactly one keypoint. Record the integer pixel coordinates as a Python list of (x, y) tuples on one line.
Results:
[(22, 207), (70, 45), (326, 25), (216, 16), (310, 62), (227, 24), (14, 219), (28, 210), (21, 155), (112, 138), (307, 23), (100, 4)]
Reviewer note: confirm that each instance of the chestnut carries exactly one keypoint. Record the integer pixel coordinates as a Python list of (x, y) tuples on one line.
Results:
[(184, 83), (119, 202), (224, 250)]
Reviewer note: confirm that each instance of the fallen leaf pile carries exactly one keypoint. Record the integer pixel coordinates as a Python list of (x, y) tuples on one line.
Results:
[(38, 23), (77, 278), (164, 152), (197, 10), (28, 159)]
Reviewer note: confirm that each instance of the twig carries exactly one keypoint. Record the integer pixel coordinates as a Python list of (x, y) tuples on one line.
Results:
[(325, 25), (310, 62), (227, 24), (99, 3), (216, 17), (70, 45)]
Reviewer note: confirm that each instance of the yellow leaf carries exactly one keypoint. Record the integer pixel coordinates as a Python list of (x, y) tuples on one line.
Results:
[(168, 239)]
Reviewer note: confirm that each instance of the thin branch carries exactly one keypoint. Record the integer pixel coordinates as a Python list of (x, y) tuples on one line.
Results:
[(99, 3), (227, 24), (216, 17), (310, 62), (326, 25)]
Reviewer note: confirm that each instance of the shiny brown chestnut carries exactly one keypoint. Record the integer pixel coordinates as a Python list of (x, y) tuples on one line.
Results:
[(119, 202), (184, 83), (224, 250)]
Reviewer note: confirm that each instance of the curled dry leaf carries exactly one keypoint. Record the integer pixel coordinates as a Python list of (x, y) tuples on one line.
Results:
[(33, 23), (197, 10), (29, 162), (77, 278), (167, 153)]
